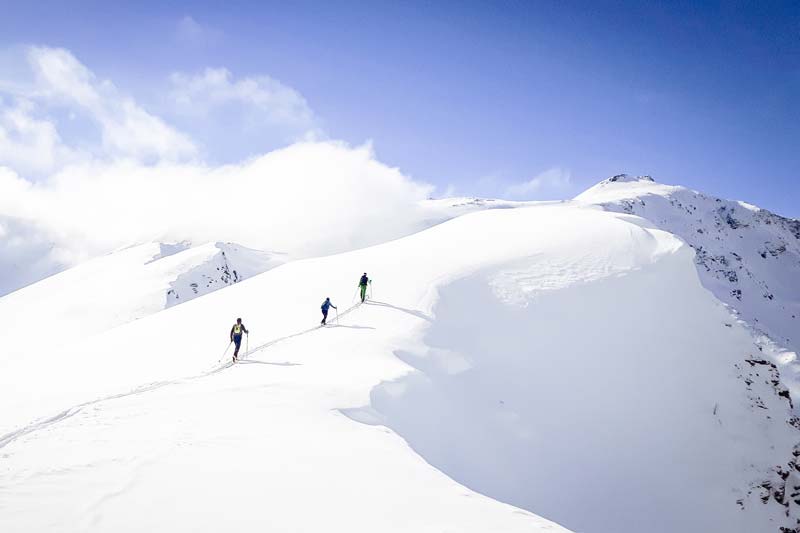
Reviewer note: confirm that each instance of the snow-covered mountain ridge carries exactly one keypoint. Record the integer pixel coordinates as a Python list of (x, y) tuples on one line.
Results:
[(561, 358), (747, 256)]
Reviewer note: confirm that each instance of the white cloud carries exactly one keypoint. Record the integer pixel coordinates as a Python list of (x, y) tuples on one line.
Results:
[(56, 83), (126, 129), (237, 118), (271, 100), (25, 252), (50, 92), (31, 144), (307, 199), (552, 181)]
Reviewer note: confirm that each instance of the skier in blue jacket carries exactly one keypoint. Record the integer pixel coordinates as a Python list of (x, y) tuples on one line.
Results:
[(325, 306)]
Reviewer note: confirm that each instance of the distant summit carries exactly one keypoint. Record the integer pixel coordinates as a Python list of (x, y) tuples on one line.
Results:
[(626, 178), (624, 186)]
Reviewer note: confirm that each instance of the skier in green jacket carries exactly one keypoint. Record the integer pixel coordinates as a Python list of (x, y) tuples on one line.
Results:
[(363, 285)]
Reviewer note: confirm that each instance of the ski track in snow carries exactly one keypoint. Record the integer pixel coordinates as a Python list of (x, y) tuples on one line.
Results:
[(72, 411)]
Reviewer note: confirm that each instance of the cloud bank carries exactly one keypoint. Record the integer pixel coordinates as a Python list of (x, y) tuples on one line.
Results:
[(137, 178)]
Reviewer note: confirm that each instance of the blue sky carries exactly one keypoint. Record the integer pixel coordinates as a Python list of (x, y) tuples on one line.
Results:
[(472, 97)]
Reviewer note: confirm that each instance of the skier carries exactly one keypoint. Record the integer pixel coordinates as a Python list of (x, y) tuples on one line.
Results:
[(363, 285), (325, 306), (236, 336)]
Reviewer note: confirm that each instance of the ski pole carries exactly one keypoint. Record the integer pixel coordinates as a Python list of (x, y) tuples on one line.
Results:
[(228, 347), (337, 316), (247, 345), (370, 289)]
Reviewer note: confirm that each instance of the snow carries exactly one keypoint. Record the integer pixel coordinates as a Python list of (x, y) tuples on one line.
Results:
[(748, 257), (621, 394), (103, 293), (123, 286), (560, 359)]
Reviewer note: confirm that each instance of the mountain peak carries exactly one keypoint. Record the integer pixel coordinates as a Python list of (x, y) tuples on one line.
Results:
[(626, 178), (612, 189)]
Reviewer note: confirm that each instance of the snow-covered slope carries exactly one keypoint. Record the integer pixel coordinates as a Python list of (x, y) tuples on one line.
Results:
[(78, 304), (561, 358), (748, 257), (127, 285)]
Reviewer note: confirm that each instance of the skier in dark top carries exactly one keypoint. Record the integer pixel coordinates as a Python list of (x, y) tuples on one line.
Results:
[(325, 306), (236, 336), (363, 285)]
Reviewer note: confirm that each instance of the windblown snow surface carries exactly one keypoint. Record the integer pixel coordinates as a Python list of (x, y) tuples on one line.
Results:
[(563, 360)]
